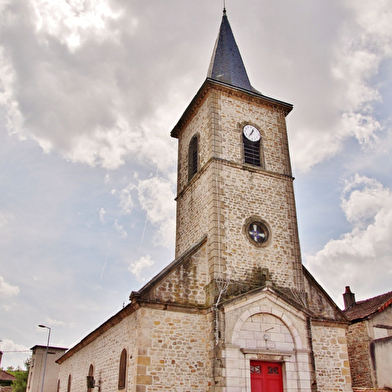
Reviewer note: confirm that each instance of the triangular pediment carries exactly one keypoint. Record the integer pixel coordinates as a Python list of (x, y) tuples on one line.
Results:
[(182, 282)]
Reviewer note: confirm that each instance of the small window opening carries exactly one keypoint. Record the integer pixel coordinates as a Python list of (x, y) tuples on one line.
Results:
[(69, 384), (122, 370), (90, 373), (193, 158)]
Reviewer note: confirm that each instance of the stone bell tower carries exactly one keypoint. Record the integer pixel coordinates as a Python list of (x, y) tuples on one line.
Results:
[(235, 311), (235, 183)]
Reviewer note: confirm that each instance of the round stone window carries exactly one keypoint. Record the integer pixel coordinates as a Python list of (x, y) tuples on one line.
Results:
[(257, 232)]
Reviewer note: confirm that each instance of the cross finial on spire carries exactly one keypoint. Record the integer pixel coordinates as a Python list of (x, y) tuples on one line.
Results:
[(224, 7)]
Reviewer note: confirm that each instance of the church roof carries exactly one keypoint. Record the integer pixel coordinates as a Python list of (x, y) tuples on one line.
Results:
[(226, 63), (369, 307)]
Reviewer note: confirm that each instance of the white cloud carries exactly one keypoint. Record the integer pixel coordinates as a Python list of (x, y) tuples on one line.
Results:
[(70, 20), (157, 199), (53, 322), (363, 128), (10, 345), (120, 230), (345, 94), (125, 196), (138, 268), (362, 257), (74, 87), (102, 214), (58, 323), (6, 289)]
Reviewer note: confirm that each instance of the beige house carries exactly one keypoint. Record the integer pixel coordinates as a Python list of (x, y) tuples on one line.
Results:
[(369, 339), (36, 370), (235, 311)]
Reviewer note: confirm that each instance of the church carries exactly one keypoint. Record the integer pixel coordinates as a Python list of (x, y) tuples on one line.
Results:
[(236, 311)]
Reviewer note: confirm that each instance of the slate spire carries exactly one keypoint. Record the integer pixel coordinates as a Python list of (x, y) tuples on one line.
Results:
[(226, 63)]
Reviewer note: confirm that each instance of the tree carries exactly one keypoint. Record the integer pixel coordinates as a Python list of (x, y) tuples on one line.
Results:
[(20, 384)]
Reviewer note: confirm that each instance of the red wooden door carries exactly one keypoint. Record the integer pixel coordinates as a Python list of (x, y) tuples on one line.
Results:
[(266, 376)]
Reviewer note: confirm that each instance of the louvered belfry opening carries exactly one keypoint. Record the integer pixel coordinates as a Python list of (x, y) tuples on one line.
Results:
[(252, 152), (193, 155)]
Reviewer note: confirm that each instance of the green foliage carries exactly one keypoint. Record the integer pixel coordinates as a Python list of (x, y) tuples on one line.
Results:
[(20, 384)]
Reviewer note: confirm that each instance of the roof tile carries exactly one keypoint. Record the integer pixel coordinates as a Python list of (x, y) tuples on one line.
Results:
[(368, 307)]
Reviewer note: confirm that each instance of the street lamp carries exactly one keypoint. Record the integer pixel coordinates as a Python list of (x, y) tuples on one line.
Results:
[(46, 355)]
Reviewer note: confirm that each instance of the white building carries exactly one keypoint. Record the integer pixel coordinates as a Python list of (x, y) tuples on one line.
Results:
[(34, 381)]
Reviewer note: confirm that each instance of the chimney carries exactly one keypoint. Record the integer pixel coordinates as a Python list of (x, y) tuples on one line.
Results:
[(349, 298)]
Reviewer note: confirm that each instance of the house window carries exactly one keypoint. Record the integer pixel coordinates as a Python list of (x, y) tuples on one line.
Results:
[(122, 369), (69, 384), (193, 157)]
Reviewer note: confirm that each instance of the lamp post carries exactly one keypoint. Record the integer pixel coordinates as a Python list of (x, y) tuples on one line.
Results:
[(46, 355)]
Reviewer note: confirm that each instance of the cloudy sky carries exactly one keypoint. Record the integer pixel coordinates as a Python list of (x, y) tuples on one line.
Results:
[(89, 92)]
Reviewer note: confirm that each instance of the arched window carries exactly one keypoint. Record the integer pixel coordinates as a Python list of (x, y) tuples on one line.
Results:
[(252, 143), (122, 370), (193, 165), (90, 373), (69, 384)]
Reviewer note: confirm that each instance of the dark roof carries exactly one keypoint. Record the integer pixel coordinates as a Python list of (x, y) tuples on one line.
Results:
[(5, 376), (226, 63), (368, 307), (50, 347)]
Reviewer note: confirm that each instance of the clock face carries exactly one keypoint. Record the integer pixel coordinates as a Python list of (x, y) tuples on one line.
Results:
[(251, 133)]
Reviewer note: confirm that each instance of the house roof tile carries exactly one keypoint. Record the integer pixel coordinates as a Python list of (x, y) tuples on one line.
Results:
[(5, 376), (368, 307)]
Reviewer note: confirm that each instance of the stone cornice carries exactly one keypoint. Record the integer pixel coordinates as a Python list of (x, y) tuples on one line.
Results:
[(241, 166), (210, 84), (319, 322)]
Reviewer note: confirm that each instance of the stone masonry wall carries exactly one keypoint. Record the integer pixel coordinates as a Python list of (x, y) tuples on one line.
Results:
[(263, 193), (319, 304), (185, 284), (104, 354), (264, 198), (192, 200), (166, 351), (359, 353), (237, 111), (331, 358), (226, 192), (173, 352)]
